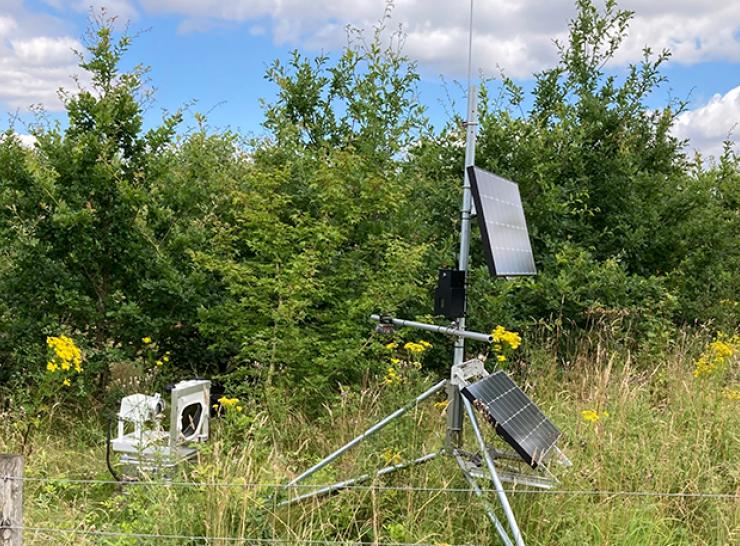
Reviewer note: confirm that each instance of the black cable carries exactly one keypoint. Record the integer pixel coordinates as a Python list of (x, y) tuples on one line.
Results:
[(116, 477)]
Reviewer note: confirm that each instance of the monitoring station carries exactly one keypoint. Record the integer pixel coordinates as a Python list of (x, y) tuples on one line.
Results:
[(144, 446), (471, 390)]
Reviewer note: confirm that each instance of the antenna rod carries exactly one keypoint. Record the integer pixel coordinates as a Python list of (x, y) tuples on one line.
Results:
[(470, 45)]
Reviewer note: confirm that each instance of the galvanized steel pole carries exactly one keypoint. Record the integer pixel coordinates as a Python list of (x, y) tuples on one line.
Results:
[(447, 330), (454, 412)]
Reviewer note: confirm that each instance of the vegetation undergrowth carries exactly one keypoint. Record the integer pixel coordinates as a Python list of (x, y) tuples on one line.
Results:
[(627, 427)]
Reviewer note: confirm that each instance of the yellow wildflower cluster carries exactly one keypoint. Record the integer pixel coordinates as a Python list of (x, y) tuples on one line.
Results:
[(417, 348), (392, 377), (228, 403), (151, 352), (393, 374), (162, 361), (716, 356), (731, 394), (592, 416), (504, 342), (391, 457), (66, 355), (501, 335)]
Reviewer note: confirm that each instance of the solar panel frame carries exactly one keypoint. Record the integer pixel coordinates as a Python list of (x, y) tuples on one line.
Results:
[(514, 416), (502, 223)]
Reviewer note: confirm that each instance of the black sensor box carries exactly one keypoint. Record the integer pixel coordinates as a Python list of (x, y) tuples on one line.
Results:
[(449, 298)]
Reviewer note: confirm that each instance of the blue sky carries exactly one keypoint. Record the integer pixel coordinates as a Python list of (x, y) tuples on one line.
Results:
[(215, 51)]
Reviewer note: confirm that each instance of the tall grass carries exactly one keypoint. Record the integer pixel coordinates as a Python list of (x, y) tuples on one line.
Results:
[(665, 432)]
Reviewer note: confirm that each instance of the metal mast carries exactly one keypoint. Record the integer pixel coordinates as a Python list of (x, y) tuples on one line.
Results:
[(455, 409)]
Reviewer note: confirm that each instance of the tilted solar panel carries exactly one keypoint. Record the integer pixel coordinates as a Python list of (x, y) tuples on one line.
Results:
[(502, 224), (514, 416)]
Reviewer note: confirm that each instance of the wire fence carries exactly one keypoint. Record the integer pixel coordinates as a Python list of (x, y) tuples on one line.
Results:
[(380, 487), (217, 539), (70, 533)]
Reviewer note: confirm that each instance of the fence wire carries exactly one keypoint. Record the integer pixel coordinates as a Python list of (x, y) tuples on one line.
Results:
[(378, 487), (204, 538)]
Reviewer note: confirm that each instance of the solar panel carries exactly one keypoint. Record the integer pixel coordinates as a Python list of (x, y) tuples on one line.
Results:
[(514, 416), (502, 224)]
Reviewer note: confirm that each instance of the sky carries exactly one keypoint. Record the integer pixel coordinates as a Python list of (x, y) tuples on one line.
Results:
[(212, 54)]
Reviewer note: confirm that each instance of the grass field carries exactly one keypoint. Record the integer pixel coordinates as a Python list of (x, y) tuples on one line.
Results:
[(654, 427)]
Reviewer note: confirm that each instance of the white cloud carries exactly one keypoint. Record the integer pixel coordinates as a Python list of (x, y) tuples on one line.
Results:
[(694, 31), (36, 57), (122, 9), (37, 49), (708, 126), (516, 36), (33, 69), (45, 50), (7, 24)]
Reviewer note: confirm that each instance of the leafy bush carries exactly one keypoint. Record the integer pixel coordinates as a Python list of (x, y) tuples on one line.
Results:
[(259, 261)]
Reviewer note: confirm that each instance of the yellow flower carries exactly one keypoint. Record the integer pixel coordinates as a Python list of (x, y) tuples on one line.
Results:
[(227, 402), (731, 394), (165, 358), (391, 345), (590, 415), (66, 382), (501, 358), (147, 340), (414, 347), (502, 335), (441, 405), (391, 457), (721, 349), (392, 377), (395, 360), (159, 363), (51, 366), (66, 354), (716, 356)]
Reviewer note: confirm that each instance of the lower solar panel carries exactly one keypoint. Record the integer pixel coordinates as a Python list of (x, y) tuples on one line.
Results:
[(514, 416)]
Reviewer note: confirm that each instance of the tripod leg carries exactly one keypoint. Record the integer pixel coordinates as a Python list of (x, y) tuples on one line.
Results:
[(372, 430), (503, 499), (365, 477), (489, 510)]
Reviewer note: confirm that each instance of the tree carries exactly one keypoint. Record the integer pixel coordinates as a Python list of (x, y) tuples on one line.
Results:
[(604, 184), (313, 242), (81, 246)]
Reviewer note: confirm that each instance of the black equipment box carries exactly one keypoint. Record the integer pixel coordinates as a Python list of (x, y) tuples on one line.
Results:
[(449, 298)]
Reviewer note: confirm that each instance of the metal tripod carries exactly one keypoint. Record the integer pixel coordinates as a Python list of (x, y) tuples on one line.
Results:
[(452, 449)]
